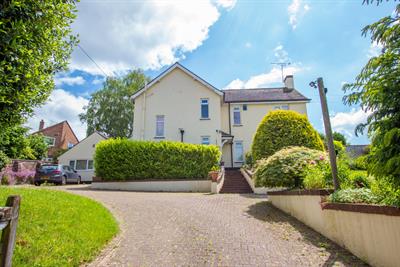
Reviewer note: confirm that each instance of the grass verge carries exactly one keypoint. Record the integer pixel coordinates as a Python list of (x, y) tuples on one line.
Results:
[(57, 228)]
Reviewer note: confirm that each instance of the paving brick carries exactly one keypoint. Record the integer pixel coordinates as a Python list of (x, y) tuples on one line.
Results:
[(189, 229)]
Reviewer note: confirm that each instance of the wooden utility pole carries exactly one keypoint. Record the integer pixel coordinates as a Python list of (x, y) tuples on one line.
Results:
[(328, 133)]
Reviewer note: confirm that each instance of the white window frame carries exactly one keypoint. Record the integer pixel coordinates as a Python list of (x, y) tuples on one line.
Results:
[(92, 164), (205, 137), (160, 119), (69, 164), (281, 107), (86, 165), (237, 110), (205, 103), (50, 138), (238, 158)]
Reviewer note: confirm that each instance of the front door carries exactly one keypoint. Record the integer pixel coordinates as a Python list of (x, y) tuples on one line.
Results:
[(238, 154)]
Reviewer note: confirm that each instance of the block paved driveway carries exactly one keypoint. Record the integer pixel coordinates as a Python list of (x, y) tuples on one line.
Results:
[(194, 229)]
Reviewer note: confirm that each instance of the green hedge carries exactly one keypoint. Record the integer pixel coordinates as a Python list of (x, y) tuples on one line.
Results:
[(123, 159), (283, 128)]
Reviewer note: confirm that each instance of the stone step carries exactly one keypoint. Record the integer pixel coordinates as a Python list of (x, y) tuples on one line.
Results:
[(235, 183)]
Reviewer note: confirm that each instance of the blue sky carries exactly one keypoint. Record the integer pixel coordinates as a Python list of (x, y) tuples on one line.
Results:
[(228, 43)]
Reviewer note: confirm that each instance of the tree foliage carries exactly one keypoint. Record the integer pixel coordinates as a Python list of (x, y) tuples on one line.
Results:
[(38, 145), (340, 137), (35, 43), (377, 90), (110, 110), (17, 144)]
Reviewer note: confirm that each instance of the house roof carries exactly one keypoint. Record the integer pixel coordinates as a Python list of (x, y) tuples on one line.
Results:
[(356, 150), (262, 95), (177, 65), (101, 135), (55, 125)]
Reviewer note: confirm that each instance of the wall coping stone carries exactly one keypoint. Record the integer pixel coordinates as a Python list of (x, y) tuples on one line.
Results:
[(362, 208), (100, 180), (302, 192)]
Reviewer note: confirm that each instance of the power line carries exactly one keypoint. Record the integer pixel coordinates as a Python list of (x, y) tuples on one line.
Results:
[(97, 65)]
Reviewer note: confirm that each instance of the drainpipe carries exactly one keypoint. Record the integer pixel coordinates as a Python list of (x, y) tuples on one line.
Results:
[(182, 131), (144, 113), (230, 132)]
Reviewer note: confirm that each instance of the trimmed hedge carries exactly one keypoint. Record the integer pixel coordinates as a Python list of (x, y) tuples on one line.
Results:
[(283, 128), (287, 167), (123, 159)]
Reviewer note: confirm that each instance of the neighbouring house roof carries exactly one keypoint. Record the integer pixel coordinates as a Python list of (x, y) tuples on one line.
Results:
[(100, 134), (177, 65), (65, 123), (262, 95), (356, 150)]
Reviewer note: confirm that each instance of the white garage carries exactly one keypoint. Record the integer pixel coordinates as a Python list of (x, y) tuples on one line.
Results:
[(80, 157)]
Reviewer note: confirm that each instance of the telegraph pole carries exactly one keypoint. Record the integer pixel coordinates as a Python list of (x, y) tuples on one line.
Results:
[(328, 130)]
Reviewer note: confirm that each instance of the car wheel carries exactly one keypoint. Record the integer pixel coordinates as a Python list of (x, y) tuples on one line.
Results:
[(63, 180), (79, 180)]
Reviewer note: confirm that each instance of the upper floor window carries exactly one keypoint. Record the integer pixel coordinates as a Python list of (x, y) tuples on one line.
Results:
[(160, 125), (50, 141), (205, 140), (204, 109), (70, 145), (237, 120), (283, 107)]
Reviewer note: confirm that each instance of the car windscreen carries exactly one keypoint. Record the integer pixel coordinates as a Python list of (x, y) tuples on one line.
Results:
[(49, 167)]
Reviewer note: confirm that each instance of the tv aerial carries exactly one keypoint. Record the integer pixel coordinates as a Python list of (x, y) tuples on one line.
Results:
[(282, 65)]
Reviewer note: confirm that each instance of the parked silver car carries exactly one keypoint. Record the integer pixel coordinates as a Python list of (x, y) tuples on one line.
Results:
[(57, 174)]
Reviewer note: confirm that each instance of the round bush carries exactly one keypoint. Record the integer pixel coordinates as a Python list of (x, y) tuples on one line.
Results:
[(283, 128), (286, 168)]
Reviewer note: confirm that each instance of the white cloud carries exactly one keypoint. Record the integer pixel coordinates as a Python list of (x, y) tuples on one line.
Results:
[(78, 80), (346, 122), (271, 78), (228, 4), (61, 106), (268, 79), (281, 54), (374, 50), (144, 34), (98, 80), (296, 10)]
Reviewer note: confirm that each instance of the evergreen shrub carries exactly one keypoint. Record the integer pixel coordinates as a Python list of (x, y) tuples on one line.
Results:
[(123, 159), (283, 128)]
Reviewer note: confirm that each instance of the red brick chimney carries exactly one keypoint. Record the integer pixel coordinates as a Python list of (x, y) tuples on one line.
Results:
[(41, 125)]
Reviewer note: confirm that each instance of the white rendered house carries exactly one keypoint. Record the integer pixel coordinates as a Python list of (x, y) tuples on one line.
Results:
[(180, 106)]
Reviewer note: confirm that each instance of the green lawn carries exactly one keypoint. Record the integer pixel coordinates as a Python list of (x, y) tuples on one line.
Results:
[(57, 228)]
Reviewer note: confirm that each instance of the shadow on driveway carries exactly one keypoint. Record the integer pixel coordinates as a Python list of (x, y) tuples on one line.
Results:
[(266, 212)]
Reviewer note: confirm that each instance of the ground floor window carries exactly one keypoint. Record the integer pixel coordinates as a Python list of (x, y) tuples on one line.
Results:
[(81, 164), (238, 149)]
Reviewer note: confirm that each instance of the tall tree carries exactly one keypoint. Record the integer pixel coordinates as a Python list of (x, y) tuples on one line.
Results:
[(35, 43), (110, 110), (377, 90)]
